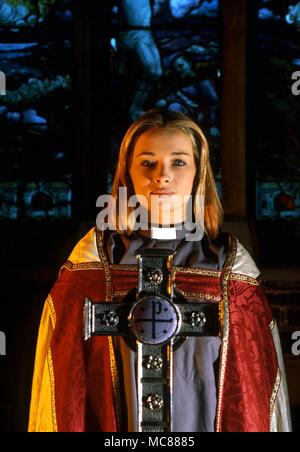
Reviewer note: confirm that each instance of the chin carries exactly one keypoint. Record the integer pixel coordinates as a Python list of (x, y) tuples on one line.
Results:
[(168, 219)]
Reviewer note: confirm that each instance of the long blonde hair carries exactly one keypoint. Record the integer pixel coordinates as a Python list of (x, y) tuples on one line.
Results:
[(204, 184)]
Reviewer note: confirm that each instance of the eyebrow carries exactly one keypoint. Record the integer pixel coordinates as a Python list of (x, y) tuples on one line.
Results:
[(172, 153)]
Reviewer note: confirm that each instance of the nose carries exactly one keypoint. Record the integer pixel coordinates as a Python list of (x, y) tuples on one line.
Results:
[(162, 175)]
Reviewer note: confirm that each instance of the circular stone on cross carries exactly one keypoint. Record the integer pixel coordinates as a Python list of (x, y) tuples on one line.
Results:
[(154, 320)]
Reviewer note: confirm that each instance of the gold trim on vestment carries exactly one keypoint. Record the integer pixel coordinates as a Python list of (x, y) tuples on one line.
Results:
[(52, 386), (176, 269), (94, 265), (199, 295), (120, 293), (105, 265), (245, 278), (115, 381), (197, 271), (42, 417), (108, 285), (192, 271), (224, 315), (50, 303), (195, 295), (130, 267), (274, 395)]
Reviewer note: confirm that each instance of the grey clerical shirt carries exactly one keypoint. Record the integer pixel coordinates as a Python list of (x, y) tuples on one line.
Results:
[(196, 360)]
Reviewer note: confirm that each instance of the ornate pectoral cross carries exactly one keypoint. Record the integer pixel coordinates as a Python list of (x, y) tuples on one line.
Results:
[(156, 317)]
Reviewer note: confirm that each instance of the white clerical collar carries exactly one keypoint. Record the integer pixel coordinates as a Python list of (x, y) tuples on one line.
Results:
[(163, 233)]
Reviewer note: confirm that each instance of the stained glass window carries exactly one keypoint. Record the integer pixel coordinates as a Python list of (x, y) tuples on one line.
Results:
[(277, 110), (35, 113), (166, 53)]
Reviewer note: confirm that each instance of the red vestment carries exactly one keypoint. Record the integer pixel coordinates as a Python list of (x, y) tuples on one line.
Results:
[(81, 379)]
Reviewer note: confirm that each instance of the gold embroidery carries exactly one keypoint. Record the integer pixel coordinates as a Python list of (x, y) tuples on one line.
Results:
[(197, 271), (199, 295), (113, 366), (245, 278), (115, 380), (104, 264), (52, 384), (224, 315), (82, 266), (221, 316), (120, 293), (130, 267), (49, 301), (68, 265), (95, 265), (176, 269), (274, 395)]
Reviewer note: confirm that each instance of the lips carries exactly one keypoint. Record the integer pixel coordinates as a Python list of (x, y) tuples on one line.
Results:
[(162, 193)]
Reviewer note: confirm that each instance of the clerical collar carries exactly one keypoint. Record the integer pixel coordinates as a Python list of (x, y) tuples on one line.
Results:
[(165, 233)]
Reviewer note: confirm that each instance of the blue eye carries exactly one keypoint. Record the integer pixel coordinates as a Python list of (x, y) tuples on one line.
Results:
[(179, 162), (152, 163), (149, 163)]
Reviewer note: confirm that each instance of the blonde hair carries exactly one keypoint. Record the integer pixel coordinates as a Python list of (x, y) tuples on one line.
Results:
[(204, 184)]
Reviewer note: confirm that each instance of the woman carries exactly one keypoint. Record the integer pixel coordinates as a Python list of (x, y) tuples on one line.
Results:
[(236, 383)]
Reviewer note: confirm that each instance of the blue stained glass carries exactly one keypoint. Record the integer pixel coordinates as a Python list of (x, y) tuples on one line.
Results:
[(284, 11), (183, 8), (166, 54), (35, 112), (279, 27), (277, 200), (17, 15), (278, 110), (293, 15)]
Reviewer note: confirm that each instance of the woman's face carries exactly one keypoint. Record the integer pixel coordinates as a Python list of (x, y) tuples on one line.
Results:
[(163, 171), (182, 67)]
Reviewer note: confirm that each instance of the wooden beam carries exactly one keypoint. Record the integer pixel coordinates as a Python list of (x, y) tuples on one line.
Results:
[(233, 153), (91, 80)]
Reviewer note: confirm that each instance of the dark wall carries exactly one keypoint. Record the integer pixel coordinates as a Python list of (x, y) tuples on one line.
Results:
[(31, 257)]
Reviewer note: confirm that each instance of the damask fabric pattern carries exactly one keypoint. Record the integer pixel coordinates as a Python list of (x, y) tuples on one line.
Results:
[(78, 388), (250, 347)]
